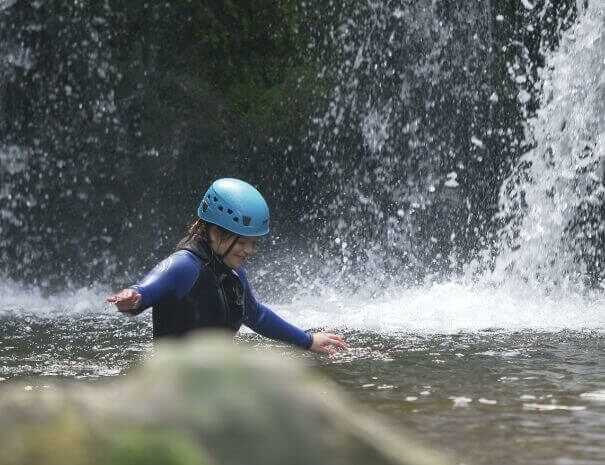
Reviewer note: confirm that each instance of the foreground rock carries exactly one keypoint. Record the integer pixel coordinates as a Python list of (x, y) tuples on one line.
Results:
[(205, 402)]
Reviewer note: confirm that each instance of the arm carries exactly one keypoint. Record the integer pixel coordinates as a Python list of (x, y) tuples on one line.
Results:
[(173, 277), (264, 321), (271, 325)]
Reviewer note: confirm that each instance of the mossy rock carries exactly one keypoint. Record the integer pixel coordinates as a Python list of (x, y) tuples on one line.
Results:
[(201, 401)]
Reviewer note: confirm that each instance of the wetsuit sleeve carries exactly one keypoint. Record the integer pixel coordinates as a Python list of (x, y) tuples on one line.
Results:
[(265, 322), (173, 277)]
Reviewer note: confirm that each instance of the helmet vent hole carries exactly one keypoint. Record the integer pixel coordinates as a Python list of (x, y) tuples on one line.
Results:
[(236, 219), (229, 211), (215, 199), (246, 220), (220, 207)]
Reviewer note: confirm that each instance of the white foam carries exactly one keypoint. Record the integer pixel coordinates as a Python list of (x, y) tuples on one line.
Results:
[(448, 308), (487, 401), (598, 396), (460, 401), (551, 407), (31, 300), (506, 353)]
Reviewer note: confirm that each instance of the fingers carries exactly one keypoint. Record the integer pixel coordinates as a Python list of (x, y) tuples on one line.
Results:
[(112, 299), (337, 340), (126, 300), (115, 298), (326, 349), (340, 344), (328, 343)]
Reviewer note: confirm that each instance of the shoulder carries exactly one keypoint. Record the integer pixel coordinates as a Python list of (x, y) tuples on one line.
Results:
[(172, 277), (180, 263), (184, 258), (179, 272)]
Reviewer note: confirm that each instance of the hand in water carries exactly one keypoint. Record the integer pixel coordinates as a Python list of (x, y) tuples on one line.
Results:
[(327, 343), (127, 301)]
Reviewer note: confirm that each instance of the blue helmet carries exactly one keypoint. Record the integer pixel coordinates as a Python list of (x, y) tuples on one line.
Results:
[(235, 206)]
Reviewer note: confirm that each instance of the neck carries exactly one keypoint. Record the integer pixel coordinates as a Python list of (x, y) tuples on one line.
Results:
[(204, 251)]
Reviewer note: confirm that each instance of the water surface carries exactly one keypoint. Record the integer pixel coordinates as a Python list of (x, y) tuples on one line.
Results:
[(486, 397)]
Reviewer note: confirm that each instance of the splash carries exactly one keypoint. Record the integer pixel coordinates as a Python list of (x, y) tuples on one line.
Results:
[(420, 127), (20, 299), (448, 308), (554, 202), (385, 140)]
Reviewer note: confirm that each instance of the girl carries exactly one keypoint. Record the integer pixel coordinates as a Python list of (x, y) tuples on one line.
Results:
[(203, 283)]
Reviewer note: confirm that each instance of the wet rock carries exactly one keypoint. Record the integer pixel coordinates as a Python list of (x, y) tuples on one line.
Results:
[(206, 401)]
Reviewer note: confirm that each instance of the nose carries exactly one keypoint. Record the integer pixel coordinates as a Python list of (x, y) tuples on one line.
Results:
[(250, 248)]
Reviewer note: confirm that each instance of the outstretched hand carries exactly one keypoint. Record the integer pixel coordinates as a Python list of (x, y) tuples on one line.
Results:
[(327, 343), (127, 301)]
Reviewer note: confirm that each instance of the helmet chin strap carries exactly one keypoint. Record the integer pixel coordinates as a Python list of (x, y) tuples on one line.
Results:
[(222, 257)]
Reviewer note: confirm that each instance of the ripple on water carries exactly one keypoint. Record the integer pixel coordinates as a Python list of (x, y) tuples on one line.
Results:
[(487, 401), (598, 396), (551, 407), (504, 353), (460, 401)]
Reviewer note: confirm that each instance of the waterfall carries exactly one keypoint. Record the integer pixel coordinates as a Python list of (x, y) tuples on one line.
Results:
[(423, 108), (398, 140), (554, 201), (423, 123)]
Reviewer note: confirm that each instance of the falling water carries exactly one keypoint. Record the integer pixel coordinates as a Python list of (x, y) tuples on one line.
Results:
[(422, 125), (554, 202)]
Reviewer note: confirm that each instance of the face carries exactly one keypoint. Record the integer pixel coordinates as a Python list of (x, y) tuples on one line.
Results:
[(244, 247)]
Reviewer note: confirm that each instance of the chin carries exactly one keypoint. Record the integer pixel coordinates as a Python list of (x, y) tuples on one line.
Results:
[(234, 263)]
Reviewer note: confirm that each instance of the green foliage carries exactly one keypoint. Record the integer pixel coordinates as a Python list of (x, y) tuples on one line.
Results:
[(144, 447), (134, 108)]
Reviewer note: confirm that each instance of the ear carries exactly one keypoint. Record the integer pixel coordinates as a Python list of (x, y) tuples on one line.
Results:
[(213, 233), (224, 234)]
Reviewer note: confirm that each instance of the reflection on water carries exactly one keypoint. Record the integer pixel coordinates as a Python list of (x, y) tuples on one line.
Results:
[(81, 346), (489, 397)]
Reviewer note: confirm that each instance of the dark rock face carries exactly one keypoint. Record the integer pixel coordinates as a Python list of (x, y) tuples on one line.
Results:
[(202, 402), (345, 114)]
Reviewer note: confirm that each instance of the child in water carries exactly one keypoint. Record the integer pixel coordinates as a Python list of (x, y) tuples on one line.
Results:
[(204, 285)]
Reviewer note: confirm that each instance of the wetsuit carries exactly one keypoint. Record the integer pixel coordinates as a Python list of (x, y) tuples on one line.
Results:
[(193, 289)]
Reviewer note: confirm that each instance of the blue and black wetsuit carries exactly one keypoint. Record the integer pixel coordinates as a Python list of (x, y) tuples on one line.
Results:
[(193, 289)]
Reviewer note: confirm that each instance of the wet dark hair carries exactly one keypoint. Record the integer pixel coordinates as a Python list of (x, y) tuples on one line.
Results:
[(198, 231)]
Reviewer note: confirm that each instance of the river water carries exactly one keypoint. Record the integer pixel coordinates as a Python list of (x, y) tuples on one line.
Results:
[(506, 366), (483, 379)]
